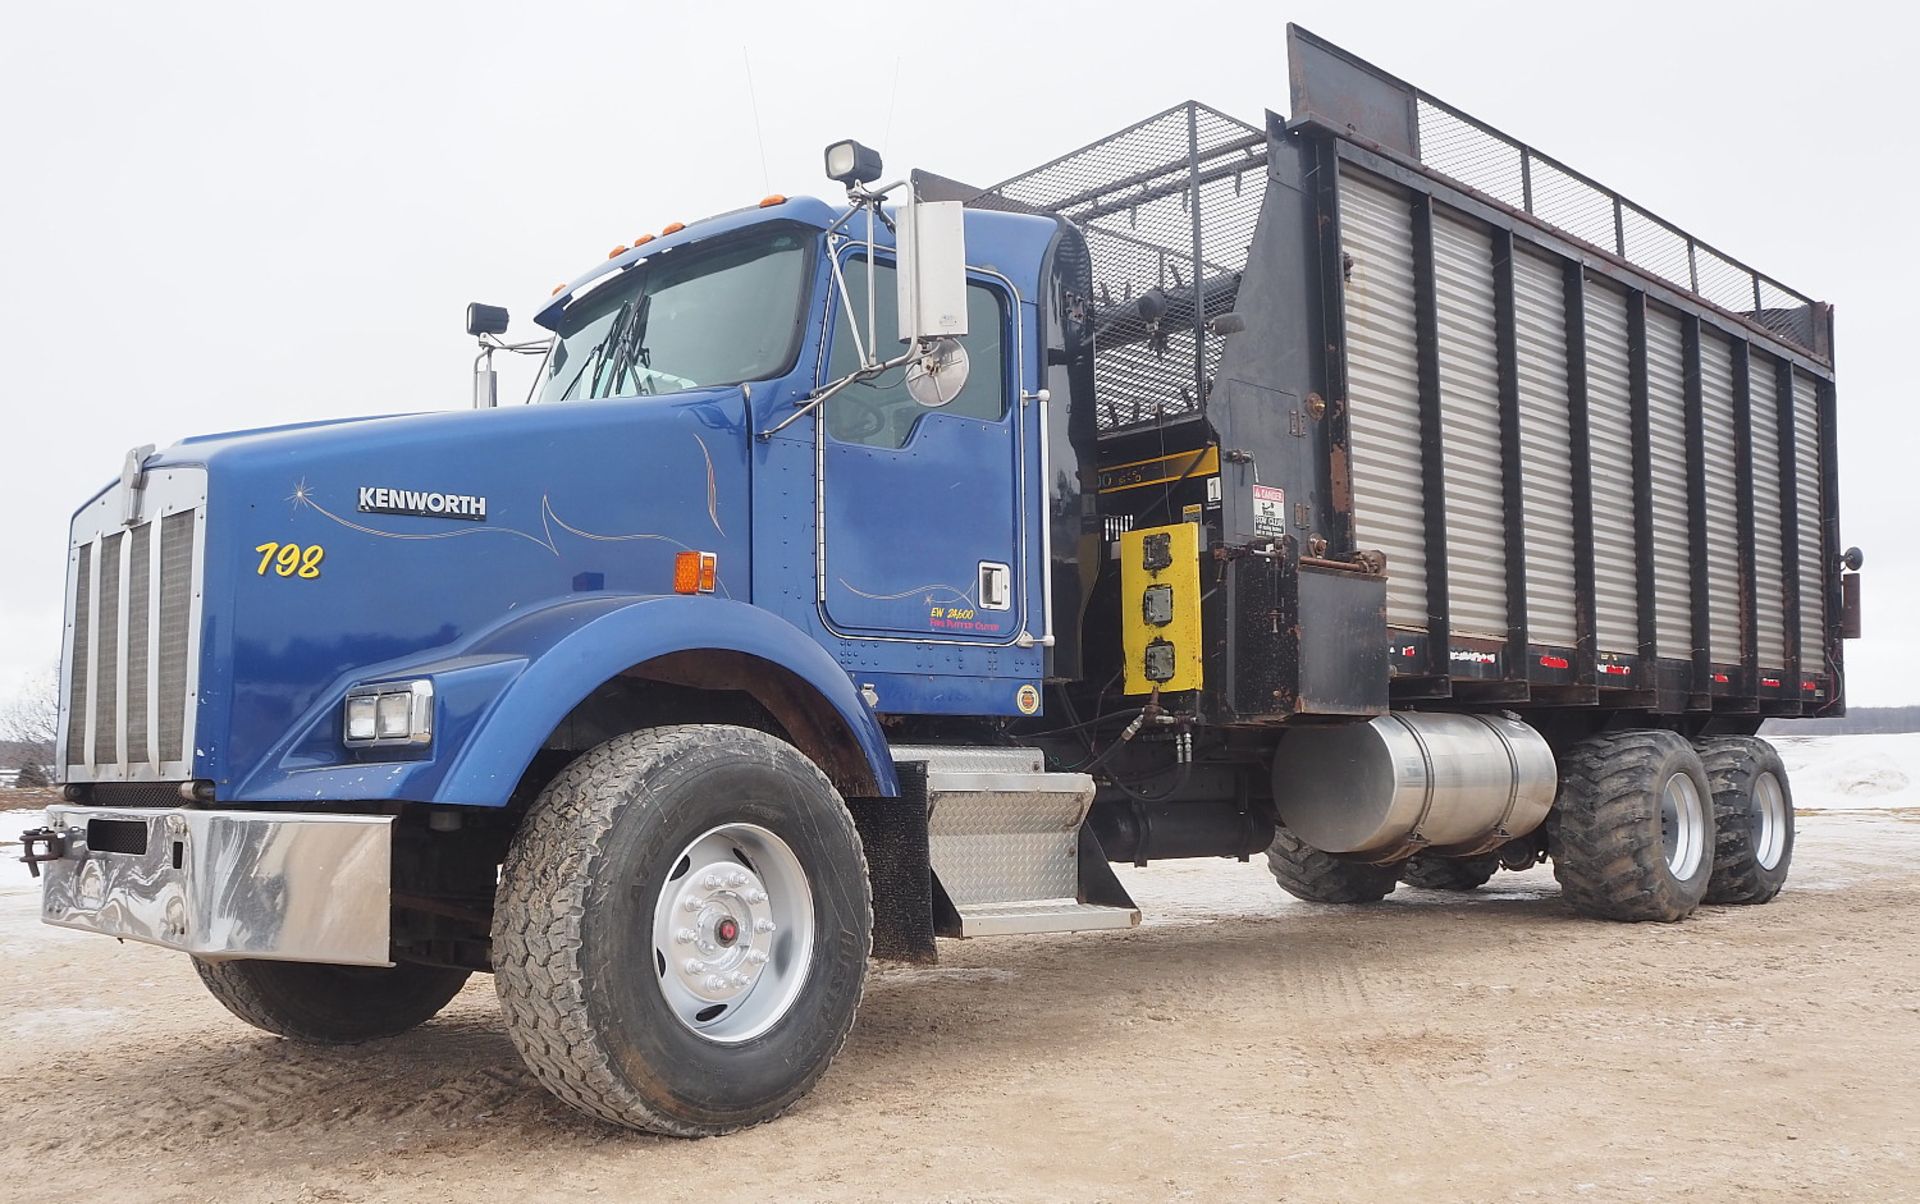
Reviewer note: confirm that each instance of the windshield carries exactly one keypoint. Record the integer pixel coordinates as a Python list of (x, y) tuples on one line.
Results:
[(689, 318)]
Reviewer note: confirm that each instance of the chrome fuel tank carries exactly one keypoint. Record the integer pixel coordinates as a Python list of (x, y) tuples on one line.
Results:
[(1409, 782)]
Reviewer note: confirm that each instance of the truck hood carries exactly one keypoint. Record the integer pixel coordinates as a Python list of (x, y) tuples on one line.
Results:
[(419, 533)]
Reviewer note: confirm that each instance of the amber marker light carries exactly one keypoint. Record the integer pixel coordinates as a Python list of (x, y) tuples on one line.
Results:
[(672, 228), (768, 202), (618, 251), (643, 240), (695, 572)]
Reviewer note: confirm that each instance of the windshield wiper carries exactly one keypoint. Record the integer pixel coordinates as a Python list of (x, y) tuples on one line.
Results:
[(595, 359), (630, 348)]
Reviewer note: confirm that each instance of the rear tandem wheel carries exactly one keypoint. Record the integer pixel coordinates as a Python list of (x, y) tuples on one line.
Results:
[(1632, 830)]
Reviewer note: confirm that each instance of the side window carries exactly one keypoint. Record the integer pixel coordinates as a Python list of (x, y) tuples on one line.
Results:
[(879, 413)]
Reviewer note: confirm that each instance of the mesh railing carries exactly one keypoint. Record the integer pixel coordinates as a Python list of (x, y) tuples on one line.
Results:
[(1131, 195), (1511, 172)]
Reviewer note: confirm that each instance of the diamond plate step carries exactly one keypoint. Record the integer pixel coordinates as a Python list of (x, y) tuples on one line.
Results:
[(1044, 915), (1003, 837)]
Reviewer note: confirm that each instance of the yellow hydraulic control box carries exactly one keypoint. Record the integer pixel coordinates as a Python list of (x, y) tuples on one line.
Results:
[(1160, 607)]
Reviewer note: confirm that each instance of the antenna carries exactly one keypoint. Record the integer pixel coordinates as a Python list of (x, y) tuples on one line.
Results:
[(766, 179), (893, 100)]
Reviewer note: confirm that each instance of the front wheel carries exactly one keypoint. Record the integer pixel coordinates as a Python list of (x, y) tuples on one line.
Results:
[(682, 930)]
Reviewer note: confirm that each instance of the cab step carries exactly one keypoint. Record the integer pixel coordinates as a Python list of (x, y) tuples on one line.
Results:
[(1004, 839)]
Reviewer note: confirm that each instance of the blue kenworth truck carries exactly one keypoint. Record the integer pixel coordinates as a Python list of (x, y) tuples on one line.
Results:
[(1364, 489)]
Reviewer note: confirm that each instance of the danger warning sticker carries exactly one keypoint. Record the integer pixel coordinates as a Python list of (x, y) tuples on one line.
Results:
[(1269, 511)]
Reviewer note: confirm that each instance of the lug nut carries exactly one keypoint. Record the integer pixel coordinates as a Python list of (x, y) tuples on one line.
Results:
[(736, 878), (716, 983), (691, 904), (756, 896), (712, 882), (693, 965), (758, 957), (685, 936), (763, 925)]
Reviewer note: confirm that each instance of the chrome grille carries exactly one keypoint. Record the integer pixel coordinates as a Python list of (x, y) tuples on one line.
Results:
[(131, 661), (176, 605)]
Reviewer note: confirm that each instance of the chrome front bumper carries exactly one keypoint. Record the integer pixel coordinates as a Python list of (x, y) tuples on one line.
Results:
[(225, 884)]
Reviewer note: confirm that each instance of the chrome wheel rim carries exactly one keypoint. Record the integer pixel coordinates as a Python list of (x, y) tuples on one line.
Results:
[(1770, 821), (733, 933), (1683, 824)]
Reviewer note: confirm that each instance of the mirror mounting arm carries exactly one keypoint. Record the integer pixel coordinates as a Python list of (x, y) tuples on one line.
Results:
[(819, 398)]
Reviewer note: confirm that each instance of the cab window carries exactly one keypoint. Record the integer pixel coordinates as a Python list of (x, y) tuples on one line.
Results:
[(879, 413)]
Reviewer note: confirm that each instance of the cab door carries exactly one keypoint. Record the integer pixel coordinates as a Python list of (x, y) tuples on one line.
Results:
[(923, 537)]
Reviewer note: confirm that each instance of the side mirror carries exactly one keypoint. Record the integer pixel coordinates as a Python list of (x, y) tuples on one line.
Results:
[(486, 319), (932, 274)]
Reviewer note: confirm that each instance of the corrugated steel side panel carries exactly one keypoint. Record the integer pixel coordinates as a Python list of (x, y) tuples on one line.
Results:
[(1546, 445), (1667, 421), (1383, 387), (1768, 569), (1723, 516), (1470, 427), (1616, 619), (1807, 467)]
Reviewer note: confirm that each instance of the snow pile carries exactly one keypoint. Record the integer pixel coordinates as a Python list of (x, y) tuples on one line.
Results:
[(1830, 773)]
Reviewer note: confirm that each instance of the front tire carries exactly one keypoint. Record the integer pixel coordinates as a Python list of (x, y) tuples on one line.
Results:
[(1753, 817), (682, 930), (330, 1005), (1631, 831)]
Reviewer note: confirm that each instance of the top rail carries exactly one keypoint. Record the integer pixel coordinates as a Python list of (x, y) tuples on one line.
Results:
[(1340, 94)]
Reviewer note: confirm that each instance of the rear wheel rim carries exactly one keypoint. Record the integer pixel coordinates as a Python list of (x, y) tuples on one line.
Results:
[(1683, 823), (733, 933), (1770, 821)]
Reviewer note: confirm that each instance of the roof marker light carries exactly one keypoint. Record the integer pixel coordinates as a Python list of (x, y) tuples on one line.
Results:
[(618, 251), (768, 202), (673, 228), (643, 240), (558, 289)]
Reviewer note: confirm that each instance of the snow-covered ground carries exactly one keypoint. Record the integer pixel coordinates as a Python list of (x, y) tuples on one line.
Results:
[(1851, 773)]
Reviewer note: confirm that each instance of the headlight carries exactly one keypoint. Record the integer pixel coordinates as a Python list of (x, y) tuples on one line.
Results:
[(390, 712)]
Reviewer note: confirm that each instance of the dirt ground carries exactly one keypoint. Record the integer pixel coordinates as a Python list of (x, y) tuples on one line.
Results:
[(1239, 1045)]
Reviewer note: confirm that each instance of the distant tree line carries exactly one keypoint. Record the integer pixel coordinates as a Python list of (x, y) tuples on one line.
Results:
[(1857, 721)]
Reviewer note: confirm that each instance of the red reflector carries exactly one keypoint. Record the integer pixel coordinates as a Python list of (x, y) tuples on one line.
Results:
[(1770, 682), (1553, 662), (1810, 685), (1720, 679)]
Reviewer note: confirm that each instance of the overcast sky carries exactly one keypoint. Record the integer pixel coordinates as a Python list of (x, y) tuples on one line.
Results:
[(228, 215)]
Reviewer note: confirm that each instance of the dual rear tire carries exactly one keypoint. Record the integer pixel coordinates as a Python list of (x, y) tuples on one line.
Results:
[(1648, 826)]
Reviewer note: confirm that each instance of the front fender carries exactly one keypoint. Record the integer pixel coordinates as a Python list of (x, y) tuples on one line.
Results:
[(499, 697)]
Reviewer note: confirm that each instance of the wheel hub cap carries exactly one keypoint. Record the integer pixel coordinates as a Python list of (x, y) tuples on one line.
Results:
[(733, 932), (1682, 825), (1770, 821)]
